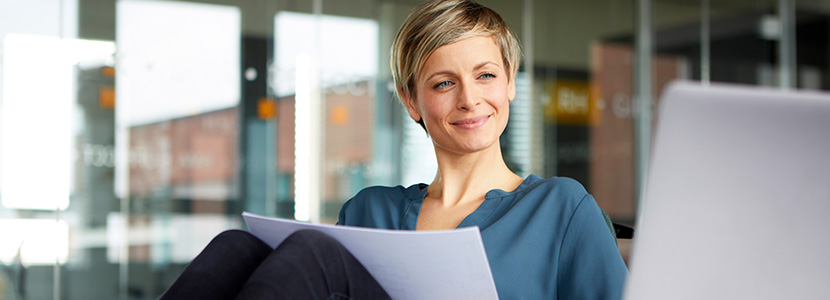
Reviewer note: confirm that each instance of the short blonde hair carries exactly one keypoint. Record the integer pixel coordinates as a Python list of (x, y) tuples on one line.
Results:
[(442, 22)]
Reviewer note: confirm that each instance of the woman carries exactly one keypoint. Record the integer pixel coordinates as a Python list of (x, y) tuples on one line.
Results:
[(454, 64)]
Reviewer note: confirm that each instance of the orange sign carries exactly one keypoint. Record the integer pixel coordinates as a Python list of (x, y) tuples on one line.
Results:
[(339, 115), (570, 103), (266, 109), (106, 97), (108, 72)]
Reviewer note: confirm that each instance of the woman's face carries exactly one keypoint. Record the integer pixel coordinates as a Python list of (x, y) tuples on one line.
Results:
[(463, 94)]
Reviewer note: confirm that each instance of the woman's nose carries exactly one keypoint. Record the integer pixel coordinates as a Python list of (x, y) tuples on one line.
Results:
[(468, 98)]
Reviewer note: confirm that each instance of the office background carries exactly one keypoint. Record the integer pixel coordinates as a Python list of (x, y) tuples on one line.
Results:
[(134, 131)]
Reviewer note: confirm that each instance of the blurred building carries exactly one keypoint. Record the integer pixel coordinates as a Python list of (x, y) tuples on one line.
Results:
[(189, 164)]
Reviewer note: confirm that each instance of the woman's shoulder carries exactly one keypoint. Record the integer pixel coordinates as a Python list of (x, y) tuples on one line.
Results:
[(385, 196), (384, 192), (555, 194), (378, 206), (540, 197), (554, 186)]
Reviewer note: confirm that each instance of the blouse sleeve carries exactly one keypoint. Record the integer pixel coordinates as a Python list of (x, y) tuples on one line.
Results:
[(590, 265), (341, 220)]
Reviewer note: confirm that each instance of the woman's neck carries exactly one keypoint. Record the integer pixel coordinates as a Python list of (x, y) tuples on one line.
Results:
[(463, 178)]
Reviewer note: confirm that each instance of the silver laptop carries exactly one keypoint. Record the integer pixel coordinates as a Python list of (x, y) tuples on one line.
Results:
[(737, 204)]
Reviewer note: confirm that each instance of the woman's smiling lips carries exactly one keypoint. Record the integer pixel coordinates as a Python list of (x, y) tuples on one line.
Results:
[(471, 123)]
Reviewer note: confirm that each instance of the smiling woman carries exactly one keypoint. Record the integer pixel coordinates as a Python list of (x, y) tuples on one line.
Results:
[(454, 64), (462, 96)]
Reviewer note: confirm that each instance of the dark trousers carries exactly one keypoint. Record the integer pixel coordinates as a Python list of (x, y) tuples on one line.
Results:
[(307, 265)]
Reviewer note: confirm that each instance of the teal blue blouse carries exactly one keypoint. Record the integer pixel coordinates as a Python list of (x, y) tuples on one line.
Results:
[(545, 240)]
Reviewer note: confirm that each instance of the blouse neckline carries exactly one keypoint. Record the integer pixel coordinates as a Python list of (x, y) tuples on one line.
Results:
[(492, 201)]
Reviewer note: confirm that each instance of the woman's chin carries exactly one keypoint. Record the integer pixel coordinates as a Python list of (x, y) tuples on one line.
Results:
[(473, 147), (466, 142)]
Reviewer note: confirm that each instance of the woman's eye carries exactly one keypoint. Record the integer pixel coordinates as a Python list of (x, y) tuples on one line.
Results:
[(487, 76), (442, 84)]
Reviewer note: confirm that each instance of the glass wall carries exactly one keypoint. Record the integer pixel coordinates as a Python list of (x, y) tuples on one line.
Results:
[(134, 131)]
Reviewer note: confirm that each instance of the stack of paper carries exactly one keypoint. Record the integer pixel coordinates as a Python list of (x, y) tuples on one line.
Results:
[(408, 264)]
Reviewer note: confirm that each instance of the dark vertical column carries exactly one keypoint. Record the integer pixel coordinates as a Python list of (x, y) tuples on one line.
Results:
[(253, 146)]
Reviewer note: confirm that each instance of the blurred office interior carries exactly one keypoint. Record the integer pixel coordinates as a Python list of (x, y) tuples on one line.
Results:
[(134, 131)]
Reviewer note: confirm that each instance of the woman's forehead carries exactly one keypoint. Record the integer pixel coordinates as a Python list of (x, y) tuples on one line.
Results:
[(468, 52)]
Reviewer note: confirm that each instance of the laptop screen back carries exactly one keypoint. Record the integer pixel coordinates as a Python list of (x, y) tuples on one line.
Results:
[(737, 204)]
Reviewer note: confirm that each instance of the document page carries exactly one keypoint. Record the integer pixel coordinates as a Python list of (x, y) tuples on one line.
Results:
[(408, 264)]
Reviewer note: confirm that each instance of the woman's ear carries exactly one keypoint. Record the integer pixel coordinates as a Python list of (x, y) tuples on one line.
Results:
[(511, 89), (411, 106)]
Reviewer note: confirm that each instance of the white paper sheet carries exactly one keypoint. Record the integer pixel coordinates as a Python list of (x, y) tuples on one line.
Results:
[(407, 264)]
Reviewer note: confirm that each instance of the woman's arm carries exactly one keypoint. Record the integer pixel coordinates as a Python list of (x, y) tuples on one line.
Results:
[(590, 265)]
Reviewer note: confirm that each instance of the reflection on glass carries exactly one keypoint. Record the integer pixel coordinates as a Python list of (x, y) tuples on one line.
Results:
[(325, 71), (161, 240), (345, 47), (57, 150), (176, 111), (176, 59), (34, 242), (177, 133), (45, 155), (612, 125), (37, 120)]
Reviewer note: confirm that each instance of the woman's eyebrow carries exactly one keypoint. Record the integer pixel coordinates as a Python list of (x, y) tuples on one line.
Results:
[(481, 65), (450, 73), (444, 72)]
